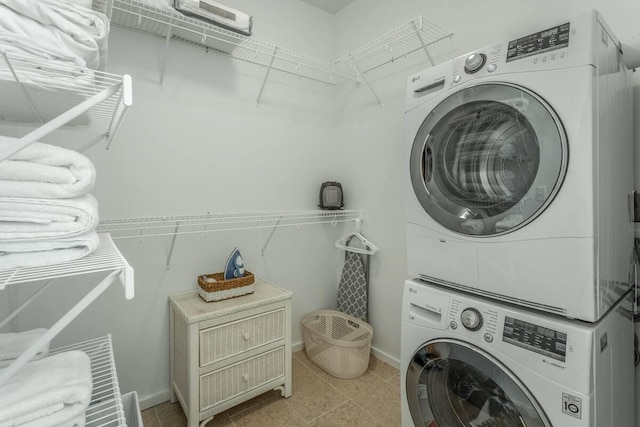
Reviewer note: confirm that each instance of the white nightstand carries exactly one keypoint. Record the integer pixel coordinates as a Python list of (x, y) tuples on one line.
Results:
[(226, 352)]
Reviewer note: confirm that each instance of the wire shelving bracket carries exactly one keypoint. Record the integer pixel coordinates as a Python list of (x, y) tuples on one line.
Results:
[(106, 258), (50, 96)]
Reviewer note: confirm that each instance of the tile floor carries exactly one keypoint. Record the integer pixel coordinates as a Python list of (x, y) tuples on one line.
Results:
[(317, 400)]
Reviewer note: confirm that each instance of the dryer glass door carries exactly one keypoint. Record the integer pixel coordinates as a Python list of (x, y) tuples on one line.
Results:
[(488, 159), (454, 384)]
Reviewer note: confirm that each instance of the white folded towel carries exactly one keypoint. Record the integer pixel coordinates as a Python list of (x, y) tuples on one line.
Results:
[(78, 29), (54, 391), (42, 219), (30, 253), (46, 171), (12, 345)]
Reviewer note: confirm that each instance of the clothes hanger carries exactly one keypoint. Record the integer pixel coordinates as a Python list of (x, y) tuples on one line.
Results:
[(343, 243)]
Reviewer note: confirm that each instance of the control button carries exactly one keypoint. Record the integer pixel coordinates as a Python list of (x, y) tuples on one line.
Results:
[(544, 59), (474, 62), (488, 337), (453, 325), (491, 68), (471, 319), (457, 78)]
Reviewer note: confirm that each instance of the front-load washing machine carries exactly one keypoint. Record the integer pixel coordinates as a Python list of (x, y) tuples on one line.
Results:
[(520, 170), (470, 361)]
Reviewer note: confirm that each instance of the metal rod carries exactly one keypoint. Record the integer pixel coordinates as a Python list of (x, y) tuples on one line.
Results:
[(124, 102), (26, 303), (54, 330), (22, 88), (423, 44), (57, 122), (165, 52), (173, 242), (364, 79), (91, 143), (266, 76), (266, 243)]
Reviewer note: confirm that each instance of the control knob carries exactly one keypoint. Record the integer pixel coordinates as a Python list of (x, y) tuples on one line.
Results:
[(474, 62), (471, 319)]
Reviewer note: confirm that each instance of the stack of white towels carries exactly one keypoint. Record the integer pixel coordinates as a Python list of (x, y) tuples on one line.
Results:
[(51, 391), (64, 31), (47, 214), (54, 46)]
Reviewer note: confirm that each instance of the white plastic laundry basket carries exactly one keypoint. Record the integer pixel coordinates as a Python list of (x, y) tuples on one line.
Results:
[(337, 343)]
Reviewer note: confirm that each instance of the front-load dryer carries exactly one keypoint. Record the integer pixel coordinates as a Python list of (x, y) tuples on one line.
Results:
[(520, 170), (469, 361)]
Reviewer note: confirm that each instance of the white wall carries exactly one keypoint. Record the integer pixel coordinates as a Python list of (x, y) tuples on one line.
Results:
[(200, 144), (374, 145)]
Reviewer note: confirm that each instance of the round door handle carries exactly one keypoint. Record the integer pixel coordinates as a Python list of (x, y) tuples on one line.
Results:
[(246, 336), (245, 378)]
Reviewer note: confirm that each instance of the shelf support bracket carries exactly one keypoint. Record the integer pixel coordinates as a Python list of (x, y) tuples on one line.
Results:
[(266, 76), (422, 43), (364, 79), (173, 243), (37, 134), (22, 88), (54, 330), (266, 243), (165, 53), (24, 305), (124, 102)]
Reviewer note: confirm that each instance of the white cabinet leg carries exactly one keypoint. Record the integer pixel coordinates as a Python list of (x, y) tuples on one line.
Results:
[(205, 421), (281, 390)]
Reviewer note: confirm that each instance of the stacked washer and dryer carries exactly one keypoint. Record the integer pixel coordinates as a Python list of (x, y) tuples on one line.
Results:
[(520, 235)]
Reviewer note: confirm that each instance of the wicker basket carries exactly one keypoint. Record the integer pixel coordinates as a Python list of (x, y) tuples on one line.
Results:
[(223, 289), (338, 343)]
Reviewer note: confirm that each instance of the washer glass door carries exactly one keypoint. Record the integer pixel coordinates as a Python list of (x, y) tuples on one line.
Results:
[(454, 384), (488, 159)]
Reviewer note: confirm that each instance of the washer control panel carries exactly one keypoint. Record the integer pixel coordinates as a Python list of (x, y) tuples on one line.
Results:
[(472, 319)]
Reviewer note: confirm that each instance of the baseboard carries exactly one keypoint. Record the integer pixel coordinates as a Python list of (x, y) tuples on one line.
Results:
[(297, 346), (374, 351), (155, 399), (378, 354)]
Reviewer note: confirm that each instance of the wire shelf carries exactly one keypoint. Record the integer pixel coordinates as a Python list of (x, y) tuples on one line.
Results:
[(105, 407), (105, 258), (211, 223), (416, 35), (162, 22)]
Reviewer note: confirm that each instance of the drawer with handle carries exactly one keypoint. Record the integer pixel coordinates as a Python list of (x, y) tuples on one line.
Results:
[(218, 386), (229, 339)]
